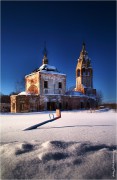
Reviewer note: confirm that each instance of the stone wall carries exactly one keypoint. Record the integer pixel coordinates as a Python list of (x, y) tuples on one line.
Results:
[(74, 102), (66, 102), (23, 103)]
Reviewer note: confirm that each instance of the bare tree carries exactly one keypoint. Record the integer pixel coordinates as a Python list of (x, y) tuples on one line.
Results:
[(99, 97), (19, 86), (13, 93)]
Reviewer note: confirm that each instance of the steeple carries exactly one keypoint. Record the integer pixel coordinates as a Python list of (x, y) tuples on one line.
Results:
[(45, 59), (84, 72), (83, 46)]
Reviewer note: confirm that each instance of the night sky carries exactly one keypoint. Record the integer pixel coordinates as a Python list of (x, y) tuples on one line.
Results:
[(25, 26)]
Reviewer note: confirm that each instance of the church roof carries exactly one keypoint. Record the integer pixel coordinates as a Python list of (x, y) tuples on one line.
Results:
[(80, 94), (47, 67), (52, 72), (75, 93)]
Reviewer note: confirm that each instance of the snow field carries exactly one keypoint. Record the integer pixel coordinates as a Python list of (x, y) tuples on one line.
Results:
[(80, 145), (72, 126)]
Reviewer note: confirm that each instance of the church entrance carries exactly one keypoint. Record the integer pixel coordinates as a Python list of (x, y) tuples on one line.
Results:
[(51, 106)]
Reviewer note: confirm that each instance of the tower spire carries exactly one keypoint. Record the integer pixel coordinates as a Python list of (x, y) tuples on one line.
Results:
[(45, 59), (83, 46)]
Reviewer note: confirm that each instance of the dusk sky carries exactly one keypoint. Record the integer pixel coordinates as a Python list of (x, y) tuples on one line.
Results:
[(25, 26)]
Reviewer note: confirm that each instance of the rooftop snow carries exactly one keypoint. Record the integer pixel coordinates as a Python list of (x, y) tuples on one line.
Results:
[(48, 67), (75, 93), (52, 72), (24, 93)]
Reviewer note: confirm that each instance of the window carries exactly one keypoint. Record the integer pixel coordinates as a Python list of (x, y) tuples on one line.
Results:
[(78, 72), (60, 85), (45, 84)]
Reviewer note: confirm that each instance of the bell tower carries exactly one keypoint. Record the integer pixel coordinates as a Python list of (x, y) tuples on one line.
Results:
[(84, 73)]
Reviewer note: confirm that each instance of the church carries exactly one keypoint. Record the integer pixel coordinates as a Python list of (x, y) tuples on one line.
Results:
[(45, 88)]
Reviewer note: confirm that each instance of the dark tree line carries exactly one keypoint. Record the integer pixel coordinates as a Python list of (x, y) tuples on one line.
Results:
[(5, 98)]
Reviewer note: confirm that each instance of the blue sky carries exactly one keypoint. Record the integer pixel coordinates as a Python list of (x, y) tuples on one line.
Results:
[(25, 26)]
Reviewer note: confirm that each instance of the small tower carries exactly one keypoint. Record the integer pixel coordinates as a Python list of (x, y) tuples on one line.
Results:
[(84, 73)]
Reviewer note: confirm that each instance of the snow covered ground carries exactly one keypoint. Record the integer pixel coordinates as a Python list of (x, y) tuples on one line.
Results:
[(79, 145)]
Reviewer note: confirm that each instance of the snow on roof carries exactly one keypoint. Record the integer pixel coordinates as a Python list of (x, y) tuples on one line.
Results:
[(79, 94), (76, 93), (52, 72), (24, 93), (47, 67)]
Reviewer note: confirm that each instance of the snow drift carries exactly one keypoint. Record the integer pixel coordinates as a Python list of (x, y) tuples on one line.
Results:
[(56, 160), (79, 145)]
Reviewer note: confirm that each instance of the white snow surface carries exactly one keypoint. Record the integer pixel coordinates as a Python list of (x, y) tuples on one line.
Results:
[(79, 145), (24, 93)]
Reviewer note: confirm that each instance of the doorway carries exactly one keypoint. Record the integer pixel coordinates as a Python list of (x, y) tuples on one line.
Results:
[(51, 106), (88, 105)]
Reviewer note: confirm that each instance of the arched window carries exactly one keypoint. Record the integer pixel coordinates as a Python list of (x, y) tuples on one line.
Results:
[(78, 72)]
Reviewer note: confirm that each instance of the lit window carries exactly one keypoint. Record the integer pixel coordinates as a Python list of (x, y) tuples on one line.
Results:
[(45, 84)]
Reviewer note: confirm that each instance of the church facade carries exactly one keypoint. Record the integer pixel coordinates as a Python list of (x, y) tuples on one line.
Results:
[(45, 88)]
